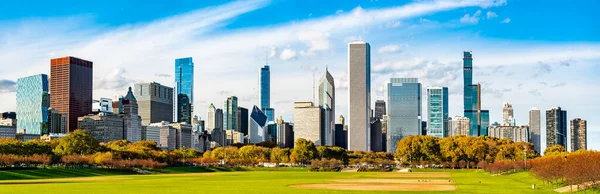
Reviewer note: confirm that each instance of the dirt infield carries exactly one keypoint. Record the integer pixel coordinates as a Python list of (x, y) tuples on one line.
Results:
[(415, 175), (65, 180), (403, 181), (196, 174), (377, 187)]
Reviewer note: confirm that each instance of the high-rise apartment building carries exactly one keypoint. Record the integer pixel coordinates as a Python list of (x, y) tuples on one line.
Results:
[(437, 111), (184, 90), (513, 133), (404, 110), (460, 125), (155, 102), (230, 107), (327, 102), (71, 84), (472, 99), (578, 134), (32, 104), (535, 129), (359, 96), (258, 121), (242, 119), (556, 127), (309, 122), (380, 109)]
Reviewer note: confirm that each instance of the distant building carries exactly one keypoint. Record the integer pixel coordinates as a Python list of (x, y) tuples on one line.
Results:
[(234, 137), (264, 92), (272, 132), (327, 102), (513, 133), (384, 124), (183, 135), (71, 88), (309, 123), (57, 123), (242, 119), (132, 122), (359, 96), (341, 120), (556, 127), (535, 129), (376, 136), (155, 102), (26, 137), (380, 109), (168, 135), (460, 125), (479, 119), (340, 136), (52, 136), (437, 111), (8, 115), (151, 133), (578, 134), (8, 131), (285, 134), (210, 117), (404, 110), (218, 136), (507, 115), (258, 121), (104, 127), (230, 113), (184, 84), (424, 128), (104, 105), (32, 104)]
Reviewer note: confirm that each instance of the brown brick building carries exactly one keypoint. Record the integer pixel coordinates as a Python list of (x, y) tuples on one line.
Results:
[(71, 82)]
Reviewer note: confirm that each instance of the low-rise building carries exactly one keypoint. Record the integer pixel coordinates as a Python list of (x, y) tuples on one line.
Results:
[(104, 127)]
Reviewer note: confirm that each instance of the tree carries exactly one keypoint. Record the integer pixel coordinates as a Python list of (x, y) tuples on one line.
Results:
[(555, 150), (303, 152), (280, 155), (77, 142)]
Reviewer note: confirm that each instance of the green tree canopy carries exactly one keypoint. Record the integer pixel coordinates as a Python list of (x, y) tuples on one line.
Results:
[(304, 151), (77, 142)]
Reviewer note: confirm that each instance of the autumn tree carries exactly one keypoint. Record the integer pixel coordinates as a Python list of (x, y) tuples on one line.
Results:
[(303, 152), (77, 142), (555, 150)]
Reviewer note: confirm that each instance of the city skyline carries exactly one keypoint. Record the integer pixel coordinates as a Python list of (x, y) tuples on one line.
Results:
[(543, 91)]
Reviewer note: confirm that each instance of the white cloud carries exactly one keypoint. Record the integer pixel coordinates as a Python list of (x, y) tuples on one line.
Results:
[(506, 21), (468, 19), (287, 54), (491, 15), (339, 11), (392, 48)]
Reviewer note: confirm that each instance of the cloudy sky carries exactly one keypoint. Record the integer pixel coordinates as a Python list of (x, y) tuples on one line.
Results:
[(528, 53)]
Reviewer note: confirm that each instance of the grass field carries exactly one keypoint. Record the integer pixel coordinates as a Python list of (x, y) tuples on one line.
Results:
[(195, 180)]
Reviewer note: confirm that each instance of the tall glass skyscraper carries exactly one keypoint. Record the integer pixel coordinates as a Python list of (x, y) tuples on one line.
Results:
[(32, 104), (264, 93), (479, 119), (437, 111), (404, 110), (230, 107), (184, 80)]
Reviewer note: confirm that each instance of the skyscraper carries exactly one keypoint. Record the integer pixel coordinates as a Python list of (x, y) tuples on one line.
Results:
[(258, 121), (556, 127), (155, 102), (210, 117), (534, 129), (71, 82), (230, 113), (132, 122), (404, 110), (472, 99), (184, 109), (309, 123), (359, 96), (184, 80), (32, 104), (437, 111), (285, 134), (219, 119), (507, 115), (578, 134), (380, 109), (327, 102), (242, 118), (460, 125), (264, 93)]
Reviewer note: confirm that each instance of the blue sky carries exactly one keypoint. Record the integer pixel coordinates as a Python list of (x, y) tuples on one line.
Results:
[(528, 53)]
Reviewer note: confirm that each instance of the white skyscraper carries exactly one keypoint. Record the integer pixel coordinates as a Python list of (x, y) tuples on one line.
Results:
[(534, 129), (359, 96), (210, 118)]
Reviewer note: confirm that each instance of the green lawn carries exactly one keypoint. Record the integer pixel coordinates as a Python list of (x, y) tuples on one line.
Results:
[(245, 181)]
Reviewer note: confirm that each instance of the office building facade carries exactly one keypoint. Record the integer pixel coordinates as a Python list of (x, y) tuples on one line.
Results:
[(513, 133), (472, 99), (285, 134), (104, 127), (230, 113), (264, 92), (71, 84), (380, 109), (359, 96), (460, 126), (32, 104), (184, 84), (507, 115), (327, 102), (309, 123), (437, 111), (257, 126), (242, 119), (155, 102), (404, 110)]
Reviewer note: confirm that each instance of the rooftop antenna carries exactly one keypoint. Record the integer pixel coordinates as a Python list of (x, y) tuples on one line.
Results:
[(267, 58)]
